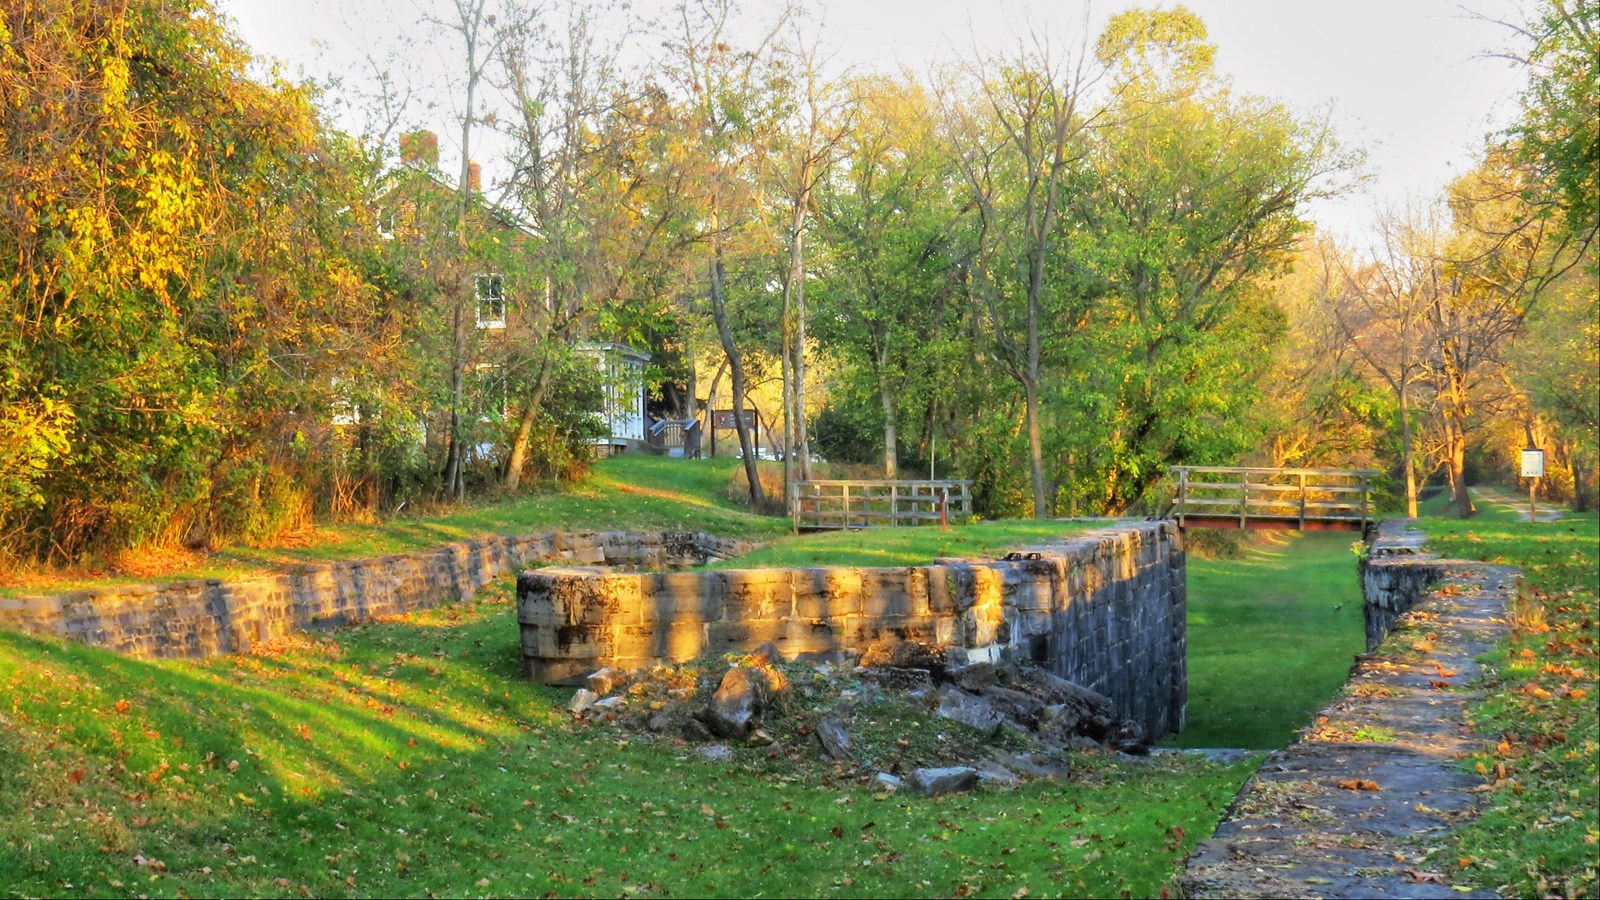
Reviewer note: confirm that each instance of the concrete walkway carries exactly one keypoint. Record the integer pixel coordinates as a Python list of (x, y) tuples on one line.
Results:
[(1349, 808), (1550, 512)]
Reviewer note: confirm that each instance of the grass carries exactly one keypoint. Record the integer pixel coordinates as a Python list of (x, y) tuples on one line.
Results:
[(1538, 835), (1272, 635), (905, 546), (407, 758), (630, 492)]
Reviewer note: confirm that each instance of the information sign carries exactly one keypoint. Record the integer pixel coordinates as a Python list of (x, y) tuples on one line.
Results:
[(1533, 463)]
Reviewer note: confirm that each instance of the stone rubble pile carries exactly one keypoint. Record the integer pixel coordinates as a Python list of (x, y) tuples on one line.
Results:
[(988, 724)]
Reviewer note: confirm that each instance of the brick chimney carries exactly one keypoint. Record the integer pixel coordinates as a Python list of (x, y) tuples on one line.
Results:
[(419, 148), (474, 176)]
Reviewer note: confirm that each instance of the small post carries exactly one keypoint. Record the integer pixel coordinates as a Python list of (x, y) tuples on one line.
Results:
[(1183, 492), (944, 508), (1244, 496), (1302, 501), (894, 504), (794, 504), (1366, 491), (845, 522)]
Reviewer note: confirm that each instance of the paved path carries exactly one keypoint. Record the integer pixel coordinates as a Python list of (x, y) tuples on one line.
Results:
[(1519, 505), (1340, 812)]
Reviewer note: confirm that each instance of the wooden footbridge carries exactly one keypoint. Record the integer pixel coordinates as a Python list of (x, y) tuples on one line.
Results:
[(1249, 497)]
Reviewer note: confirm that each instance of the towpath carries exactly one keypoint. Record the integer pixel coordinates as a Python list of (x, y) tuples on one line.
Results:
[(1350, 808)]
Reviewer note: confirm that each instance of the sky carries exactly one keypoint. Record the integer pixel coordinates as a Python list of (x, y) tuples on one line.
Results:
[(1412, 83)]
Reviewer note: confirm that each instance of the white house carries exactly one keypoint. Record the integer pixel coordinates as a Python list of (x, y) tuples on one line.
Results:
[(622, 381)]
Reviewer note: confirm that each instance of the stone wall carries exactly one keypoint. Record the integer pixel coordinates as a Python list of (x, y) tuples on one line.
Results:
[(1395, 574), (211, 617), (1105, 610)]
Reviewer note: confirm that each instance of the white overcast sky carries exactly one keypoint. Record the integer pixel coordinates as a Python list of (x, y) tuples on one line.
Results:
[(1411, 82)]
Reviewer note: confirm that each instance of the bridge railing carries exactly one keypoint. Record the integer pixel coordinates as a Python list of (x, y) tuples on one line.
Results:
[(855, 504), (1246, 497)]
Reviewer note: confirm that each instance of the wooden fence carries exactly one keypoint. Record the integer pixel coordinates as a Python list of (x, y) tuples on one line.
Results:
[(856, 504), (1248, 497)]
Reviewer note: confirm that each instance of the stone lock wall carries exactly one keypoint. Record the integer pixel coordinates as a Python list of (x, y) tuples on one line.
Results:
[(1105, 610), (1395, 574), (211, 617)]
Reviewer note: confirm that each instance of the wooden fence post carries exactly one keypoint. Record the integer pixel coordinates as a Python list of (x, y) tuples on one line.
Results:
[(1183, 492), (1302, 501)]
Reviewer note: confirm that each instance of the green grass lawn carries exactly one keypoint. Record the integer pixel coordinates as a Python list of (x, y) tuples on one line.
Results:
[(1272, 636), (407, 758), (1539, 835), (905, 546)]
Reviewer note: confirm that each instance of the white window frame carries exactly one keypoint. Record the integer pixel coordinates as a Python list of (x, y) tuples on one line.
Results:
[(496, 296)]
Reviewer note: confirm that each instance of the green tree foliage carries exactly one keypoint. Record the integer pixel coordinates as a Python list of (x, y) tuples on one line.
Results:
[(177, 278)]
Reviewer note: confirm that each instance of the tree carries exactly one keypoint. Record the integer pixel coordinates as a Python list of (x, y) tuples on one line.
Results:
[(729, 108), (1382, 307), (808, 152), (1194, 203), (185, 271), (1019, 136), (888, 216), (482, 34)]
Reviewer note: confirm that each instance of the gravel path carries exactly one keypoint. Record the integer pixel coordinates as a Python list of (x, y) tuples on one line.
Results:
[(1346, 810)]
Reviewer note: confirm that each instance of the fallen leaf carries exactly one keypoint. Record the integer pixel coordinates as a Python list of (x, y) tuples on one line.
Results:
[(1420, 877), (1359, 784)]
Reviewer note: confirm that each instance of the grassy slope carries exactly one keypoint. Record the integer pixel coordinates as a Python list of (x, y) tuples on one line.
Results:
[(1272, 635), (633, 492), (1539, 835)]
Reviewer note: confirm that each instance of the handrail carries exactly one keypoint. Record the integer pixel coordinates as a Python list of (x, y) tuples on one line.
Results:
[(1353, 473), (1314, 498), (853, 503)]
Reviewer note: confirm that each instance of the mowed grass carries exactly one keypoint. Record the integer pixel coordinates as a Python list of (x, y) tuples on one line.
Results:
[(620, 493), (1538, 836), (918, 546), (1273, 633), (408, 758)]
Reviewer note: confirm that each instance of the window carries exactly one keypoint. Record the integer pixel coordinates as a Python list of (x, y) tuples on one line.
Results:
[(491, 291)]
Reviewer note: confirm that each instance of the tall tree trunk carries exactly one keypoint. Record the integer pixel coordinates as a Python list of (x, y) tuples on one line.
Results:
[(1456, 466), (518, 456), (1041, 497), (719, 312), (801, 431), (454, 481), (891, 442), (789, 473), (1580, 492), (1455, 433), (1407, 452)]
